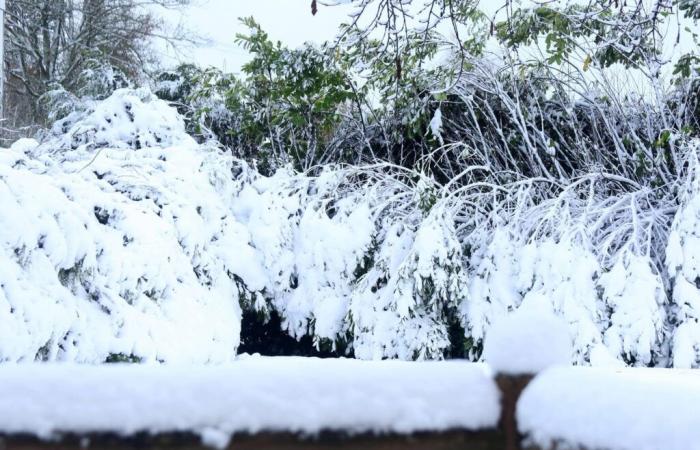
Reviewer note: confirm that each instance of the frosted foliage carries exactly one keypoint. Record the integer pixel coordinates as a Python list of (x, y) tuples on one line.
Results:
[(618, 313), (554, 277), (178, 234), (683, 262), (436, 126), (435, 273), (561, 277), (338, 264), (327, 253), (398, 306), (635, 295), (491, 289), (309, 246)]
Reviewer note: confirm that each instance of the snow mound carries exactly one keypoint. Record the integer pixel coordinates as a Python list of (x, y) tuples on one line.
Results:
[(625, 409), (527, 341), (304, 395)]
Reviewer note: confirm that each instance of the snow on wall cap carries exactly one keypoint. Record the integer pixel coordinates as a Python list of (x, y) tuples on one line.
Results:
[(252, 395), (527, 341), (622, 409)]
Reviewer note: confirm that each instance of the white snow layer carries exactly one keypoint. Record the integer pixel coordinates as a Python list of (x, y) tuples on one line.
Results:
[(254, 394), (527, 342), (624, 409)]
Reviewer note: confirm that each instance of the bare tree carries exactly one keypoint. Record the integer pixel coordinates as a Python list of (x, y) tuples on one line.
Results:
[(54, 44), (2, 56)]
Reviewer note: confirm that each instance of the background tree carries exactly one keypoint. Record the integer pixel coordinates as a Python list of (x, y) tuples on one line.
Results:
[(77, 47)]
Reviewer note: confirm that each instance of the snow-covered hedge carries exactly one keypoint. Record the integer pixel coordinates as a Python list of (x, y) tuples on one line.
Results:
[(123, 237)]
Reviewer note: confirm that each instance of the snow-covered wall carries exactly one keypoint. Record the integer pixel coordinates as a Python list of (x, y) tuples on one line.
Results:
[(623, 409), (254, 395)]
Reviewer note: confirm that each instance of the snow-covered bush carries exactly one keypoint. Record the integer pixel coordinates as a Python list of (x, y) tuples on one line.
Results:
[(348, 256), (97, 81), (309, 240), (556, 249), (635, 298), (412, 281), (200, 97), (683, 263), (378, 257), (132, 119), (113, 250)]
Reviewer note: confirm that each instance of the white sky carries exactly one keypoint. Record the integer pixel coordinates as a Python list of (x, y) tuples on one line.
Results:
[(289, 21)]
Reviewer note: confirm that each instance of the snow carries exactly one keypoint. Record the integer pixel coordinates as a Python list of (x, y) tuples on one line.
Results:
[(625, 409), (635, 295), (436, 126), (339, 262), (527, 341), (24, 145), (253, 394), (124, 236)]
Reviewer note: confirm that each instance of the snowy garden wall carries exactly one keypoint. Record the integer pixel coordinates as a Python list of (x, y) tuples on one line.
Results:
[(282, 403), (123, 238)]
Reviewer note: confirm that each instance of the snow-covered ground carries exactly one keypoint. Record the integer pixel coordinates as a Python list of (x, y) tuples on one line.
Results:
[(253, 394), (615, 409)]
